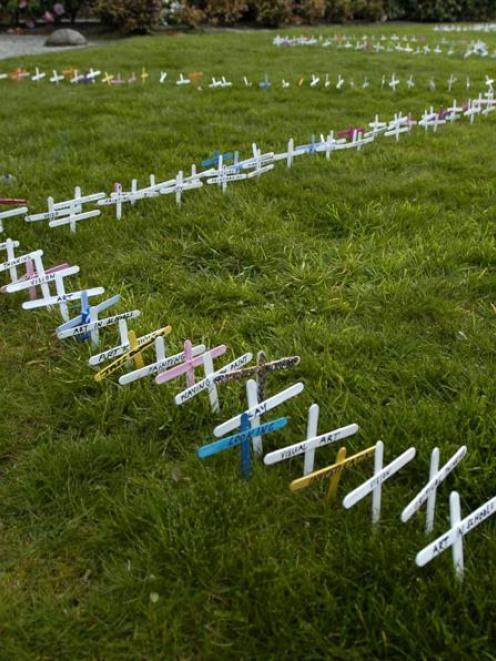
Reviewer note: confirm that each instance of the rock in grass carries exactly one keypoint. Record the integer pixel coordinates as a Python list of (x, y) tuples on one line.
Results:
[(65, 37)]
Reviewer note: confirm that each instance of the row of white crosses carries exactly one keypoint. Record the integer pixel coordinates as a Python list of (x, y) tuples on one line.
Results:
[(70, 212), (67, 212), (373, 485), (316, 80), (410, 45), (166, 369)]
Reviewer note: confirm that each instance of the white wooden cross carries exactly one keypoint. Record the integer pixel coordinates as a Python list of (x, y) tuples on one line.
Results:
[(258, 160), (453, 112), (67, 212), (427, 118), (400, 124), (76, 78), (428, 493), (215, 83), (73, 219), (79, 327), (311, 443), (93, 75), (56, 78), (61, 298), (394, 82), (37, 276), (13, 261), (472, 109), (454, 536), (119, 197), (256, 409), (225, 174), (377, 127), (39, 75), (314, 81), (179, 185), (340, 83), (374, 484), (451, 81), (9, 246), (182, 80), (329, 144), (163, 77)]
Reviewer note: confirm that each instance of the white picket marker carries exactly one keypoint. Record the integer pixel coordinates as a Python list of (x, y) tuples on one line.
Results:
[(72, 219), (451, 81), (400, 124), (454, 112), (254, 412), (374, 484), (93, 75), (120, 197), (163, 77), (454, 536), (179, 185), (431, 498), (39, 75), (312, 427), (312, 442), (64, 208), (61, 298), (56, 78), (13, 261), (51, 214), (252, 399), (394, 82), (211, 379), (41, 278), (11, 213), (9, 246), (455, 518), (377, 127), (182, 80), (428, 493), (75, 204)]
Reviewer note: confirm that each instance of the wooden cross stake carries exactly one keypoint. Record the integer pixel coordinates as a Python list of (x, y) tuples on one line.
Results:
[(260, 371)]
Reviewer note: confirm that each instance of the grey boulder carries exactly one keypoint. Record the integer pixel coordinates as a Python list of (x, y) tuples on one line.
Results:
[(65, 37)]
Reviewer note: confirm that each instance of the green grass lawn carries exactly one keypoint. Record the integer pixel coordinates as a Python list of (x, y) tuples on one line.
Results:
[(377, 267)]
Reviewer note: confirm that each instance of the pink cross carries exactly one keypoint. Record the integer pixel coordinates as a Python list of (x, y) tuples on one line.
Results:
[(190, 362)]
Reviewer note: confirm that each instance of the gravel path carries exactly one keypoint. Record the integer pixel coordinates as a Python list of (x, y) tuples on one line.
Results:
[(13, 45)]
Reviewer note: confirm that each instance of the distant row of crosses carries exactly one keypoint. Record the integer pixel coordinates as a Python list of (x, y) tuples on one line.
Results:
[(74, 76)]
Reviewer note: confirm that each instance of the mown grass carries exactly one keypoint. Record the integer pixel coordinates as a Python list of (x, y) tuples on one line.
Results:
[(377, 268)]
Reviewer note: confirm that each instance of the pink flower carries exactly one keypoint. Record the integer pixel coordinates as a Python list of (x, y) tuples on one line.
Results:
[(58, 8), (48, 17)]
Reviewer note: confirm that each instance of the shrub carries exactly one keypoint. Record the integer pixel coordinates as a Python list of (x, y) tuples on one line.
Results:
[(338, 11), (129, 15), (309, 11), (225, 11), (273, 12)]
